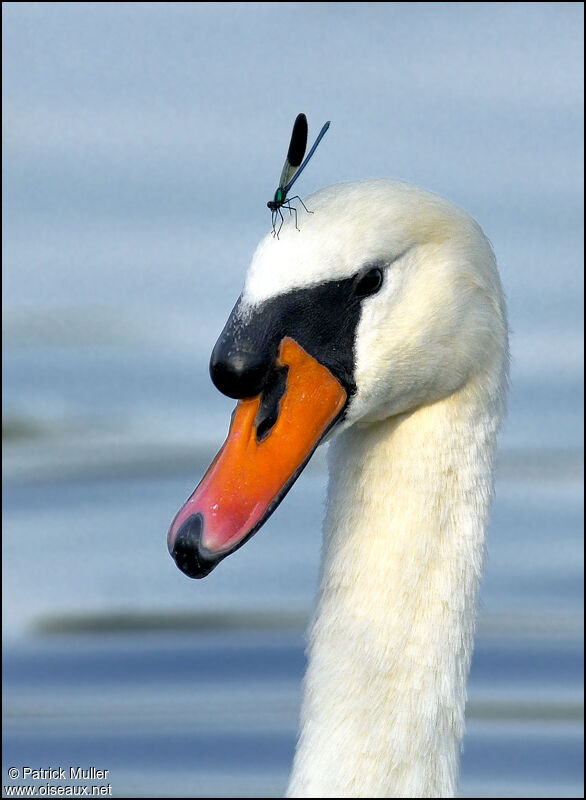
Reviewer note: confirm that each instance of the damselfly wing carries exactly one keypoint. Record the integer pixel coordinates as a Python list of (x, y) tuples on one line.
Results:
[(292, 169)]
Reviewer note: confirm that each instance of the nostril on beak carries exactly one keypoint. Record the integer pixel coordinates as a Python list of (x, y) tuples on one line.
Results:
[(272, 393)]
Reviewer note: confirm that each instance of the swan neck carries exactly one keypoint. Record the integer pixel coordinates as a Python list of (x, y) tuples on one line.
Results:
[(392, 637)]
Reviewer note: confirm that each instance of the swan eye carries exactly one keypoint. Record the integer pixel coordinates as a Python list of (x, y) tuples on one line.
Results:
[(369, 283)]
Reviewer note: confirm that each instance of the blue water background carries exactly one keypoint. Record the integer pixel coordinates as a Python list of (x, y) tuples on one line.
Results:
[(140, 145)]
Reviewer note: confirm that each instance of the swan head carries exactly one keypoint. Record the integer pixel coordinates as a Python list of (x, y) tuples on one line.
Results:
[(386, 299)]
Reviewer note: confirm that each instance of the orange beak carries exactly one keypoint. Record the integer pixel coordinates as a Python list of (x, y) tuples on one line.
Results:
[(248, 478)]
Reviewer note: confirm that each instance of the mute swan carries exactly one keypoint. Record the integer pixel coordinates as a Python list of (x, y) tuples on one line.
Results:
[(381, 326)]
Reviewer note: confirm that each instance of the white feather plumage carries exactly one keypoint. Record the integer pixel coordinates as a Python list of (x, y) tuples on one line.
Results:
[(411, 477)]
